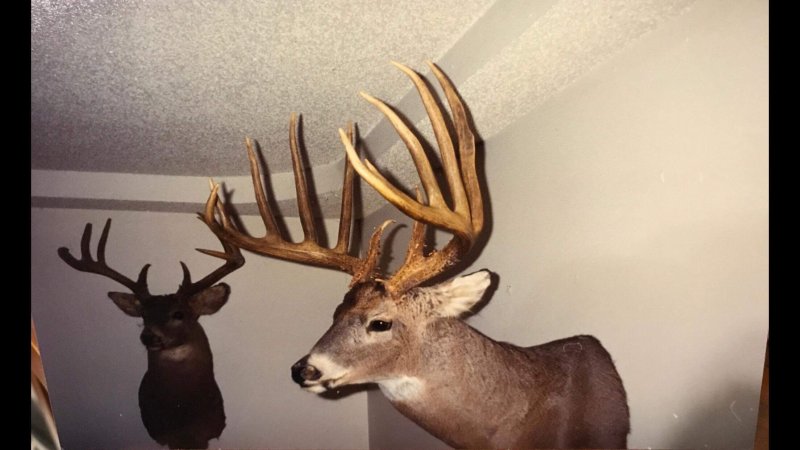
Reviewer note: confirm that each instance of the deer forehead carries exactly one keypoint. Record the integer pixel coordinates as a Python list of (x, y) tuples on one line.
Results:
[(371, 302), (361, 314), (452, 298), (160, 307), (365, 300), (162, 303)]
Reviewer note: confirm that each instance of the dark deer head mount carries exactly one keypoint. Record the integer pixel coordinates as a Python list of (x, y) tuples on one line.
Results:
[(180, 402)]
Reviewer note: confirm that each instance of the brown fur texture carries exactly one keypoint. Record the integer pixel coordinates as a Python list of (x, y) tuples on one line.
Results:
[(179, 400), (460, 385)]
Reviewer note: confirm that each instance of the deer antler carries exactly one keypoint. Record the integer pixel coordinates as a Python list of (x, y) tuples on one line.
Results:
[(99, 266), (465, 219), (309, 250), (232, 256)]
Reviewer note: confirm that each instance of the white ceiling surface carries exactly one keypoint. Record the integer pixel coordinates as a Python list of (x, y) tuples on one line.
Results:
[(135, 103)]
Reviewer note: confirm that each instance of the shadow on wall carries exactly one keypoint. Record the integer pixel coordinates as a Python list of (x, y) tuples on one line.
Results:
[(724, 421)]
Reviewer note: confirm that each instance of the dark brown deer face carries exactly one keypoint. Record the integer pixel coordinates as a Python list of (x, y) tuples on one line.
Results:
[(180, 402), (171, 321)]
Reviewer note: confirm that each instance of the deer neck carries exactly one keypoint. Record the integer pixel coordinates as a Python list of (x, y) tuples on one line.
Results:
[(461, 380)]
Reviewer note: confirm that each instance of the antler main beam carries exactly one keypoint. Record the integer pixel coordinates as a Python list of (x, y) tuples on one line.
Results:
[(99, 266), (232, 256)]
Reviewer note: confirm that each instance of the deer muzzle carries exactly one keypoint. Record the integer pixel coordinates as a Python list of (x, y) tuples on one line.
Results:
[(303, 372), (151, 340)]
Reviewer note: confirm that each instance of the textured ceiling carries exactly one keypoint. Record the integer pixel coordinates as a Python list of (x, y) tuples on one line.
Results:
[(171, 89), (174, 87)]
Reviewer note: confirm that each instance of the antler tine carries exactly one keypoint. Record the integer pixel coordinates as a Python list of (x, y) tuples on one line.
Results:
[(466, 147), (449, 162), (416, 243), (232, 252), (261, 198), (308, 251), (465, 219), (436, 212), (424, 169), (301, 185), (233, 260), (99, 266), (346, 209), (232, 255)]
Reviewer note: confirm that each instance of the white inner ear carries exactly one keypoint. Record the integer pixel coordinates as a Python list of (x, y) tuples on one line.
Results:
[(460, 294)]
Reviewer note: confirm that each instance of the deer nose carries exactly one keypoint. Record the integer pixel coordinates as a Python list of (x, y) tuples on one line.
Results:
[(149, 339), (302, 372)]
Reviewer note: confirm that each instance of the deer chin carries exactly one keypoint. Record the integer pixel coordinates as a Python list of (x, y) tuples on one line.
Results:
[(318, 387)]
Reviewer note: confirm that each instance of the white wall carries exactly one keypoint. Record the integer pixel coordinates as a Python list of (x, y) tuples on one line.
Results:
[(94, 361), (634, 207)]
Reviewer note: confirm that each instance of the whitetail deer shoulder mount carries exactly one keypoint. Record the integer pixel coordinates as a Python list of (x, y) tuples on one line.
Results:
[(462, 386), (181, 405)]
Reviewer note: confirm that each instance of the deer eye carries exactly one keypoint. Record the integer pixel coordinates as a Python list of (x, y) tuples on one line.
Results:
[(379, 325), (177, 315)]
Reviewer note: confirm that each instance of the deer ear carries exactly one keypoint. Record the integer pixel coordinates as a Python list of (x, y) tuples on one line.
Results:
[(458, 295), (127, 302), (210, 300)]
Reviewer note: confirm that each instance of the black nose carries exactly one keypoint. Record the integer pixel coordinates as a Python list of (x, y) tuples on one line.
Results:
[(150, 340), (302, 372)]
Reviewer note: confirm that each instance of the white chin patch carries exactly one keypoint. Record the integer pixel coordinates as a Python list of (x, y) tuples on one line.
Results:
[(402, 389), (333, 375), (315, 388), (180, 353)]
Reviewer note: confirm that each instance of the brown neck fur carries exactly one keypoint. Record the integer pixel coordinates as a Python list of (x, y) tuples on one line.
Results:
[(483, 375)]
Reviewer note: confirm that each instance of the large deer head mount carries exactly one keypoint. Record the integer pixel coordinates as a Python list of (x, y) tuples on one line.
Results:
[(457, 383)]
